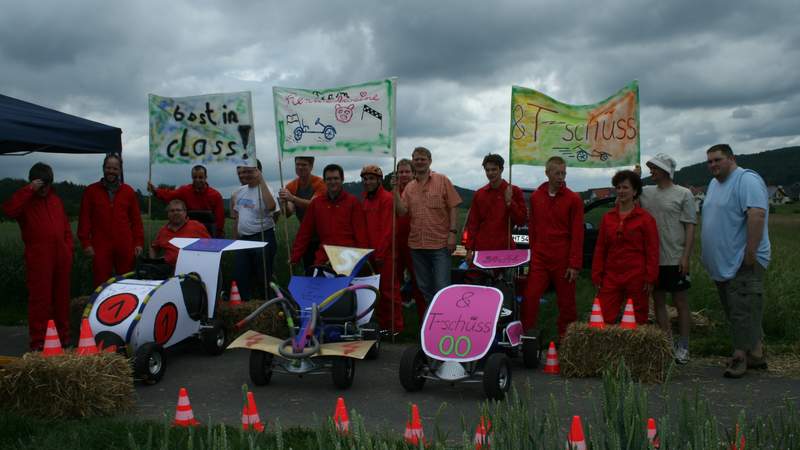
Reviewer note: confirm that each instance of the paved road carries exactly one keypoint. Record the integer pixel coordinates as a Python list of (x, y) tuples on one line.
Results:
[(214, 385)]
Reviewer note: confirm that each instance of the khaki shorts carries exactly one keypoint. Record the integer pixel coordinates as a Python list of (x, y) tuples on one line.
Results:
[(742, 299)]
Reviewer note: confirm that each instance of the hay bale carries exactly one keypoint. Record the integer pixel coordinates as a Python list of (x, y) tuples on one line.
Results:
[(67, 386), (587, 352), (271, 321)]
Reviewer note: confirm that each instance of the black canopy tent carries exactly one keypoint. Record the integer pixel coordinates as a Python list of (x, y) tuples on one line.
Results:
[(25, 128)]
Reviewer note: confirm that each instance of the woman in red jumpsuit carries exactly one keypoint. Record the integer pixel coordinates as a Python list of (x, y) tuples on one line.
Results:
[(625, 261), (48, 253)]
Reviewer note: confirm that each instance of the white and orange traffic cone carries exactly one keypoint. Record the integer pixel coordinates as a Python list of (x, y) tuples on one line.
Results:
[(575, 439), (596, 319), (551, 363), (52, 345), (628, 317), (482, 434), (652, 433), (414, 433), (236, 298), (184, 417), (250, 418), (86, 344), (340, 417)]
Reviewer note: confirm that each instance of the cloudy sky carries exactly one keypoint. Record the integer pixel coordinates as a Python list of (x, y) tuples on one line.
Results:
[(709, 71)]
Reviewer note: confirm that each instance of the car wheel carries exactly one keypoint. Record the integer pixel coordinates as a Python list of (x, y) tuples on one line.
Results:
[(149, 363), (496, 376), (214, 338), (412, 367), (373, 333), (260, 367), (343, 372)]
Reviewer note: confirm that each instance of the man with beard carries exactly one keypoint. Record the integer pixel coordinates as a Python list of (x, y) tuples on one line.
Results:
[(110, 223), (198, 197)]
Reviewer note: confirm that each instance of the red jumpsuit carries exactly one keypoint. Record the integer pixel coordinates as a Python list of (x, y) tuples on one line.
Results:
[(555, 234), (625, 258), (488, 221), (207, 200), (48, 260), (404, 262), (378, 212), (336, 222), (112, 227)]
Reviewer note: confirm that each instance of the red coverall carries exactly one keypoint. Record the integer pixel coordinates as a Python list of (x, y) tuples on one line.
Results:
[(207, 200), (48, 260), (555, 234), (336, 222), (190, 229), (487, 224), (625, 258), (378, 212), (112, 228), (404, 262)]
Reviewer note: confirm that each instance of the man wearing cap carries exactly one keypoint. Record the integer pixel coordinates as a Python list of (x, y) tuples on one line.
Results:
[(673, 208), (198, 197), (378, 211), (298, 194), (430, 200), (178, 226), (336, 217), (736, 252)]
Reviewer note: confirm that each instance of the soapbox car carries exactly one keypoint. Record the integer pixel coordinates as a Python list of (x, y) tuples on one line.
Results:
[(145, 311), (471, 329), (329, 321)]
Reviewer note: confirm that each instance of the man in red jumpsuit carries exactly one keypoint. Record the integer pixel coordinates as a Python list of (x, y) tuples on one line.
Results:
[(198, 196), (405, 173), (178, 225), (494, 207), (555, 234), (378, 211), (110, 223), (48, 253), (336, 217)]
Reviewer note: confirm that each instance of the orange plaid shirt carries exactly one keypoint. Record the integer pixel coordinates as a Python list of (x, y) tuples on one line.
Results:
[(429, 207)]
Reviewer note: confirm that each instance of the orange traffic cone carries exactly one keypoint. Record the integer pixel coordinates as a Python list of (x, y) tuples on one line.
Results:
[(340, 418), (652, 434), (235, 299), (86, 345), (250, 416), (184, 417), (551, 363), (575, 439), (52, 345), (596, 319), (414, 433), (628, 317), (482, 439)]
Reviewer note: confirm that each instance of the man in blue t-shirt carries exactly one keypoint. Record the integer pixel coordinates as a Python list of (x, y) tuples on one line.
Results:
[(736, 251)]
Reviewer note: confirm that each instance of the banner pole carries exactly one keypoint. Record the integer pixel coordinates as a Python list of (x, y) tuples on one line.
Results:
[(394, 294), (510, 170), (284, 207), (149, 208)]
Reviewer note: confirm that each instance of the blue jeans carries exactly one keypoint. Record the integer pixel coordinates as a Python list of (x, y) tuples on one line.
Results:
[(250, 261), (432, 269)]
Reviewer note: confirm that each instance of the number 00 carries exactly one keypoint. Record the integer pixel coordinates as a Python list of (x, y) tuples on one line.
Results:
[(449, 345)]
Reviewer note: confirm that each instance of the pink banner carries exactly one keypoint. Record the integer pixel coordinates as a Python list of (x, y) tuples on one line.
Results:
[(460, 322), (496, 259)]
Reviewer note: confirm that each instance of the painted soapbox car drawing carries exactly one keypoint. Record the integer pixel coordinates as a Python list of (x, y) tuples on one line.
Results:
[(470, 330), (146, 311), (329, 318)]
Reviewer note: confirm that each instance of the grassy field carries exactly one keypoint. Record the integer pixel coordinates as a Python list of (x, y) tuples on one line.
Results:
[(782, 309)]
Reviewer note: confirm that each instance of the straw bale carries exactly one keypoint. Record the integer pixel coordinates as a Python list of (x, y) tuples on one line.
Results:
[(587, 352), (67, 386), (271, 321)]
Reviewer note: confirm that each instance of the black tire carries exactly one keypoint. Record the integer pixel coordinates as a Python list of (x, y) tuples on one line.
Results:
[(412, 364), (343, 371), (149, 363), (214, 338), (531, 354), (260, 367), (105, 339), (497, 376), (374, 334)]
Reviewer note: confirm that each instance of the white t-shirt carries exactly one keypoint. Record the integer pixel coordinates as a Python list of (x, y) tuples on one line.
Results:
[(253, 217), (672, 208)]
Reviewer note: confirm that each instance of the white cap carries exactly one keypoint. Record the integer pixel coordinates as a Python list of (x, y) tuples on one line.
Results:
[(665, 163)]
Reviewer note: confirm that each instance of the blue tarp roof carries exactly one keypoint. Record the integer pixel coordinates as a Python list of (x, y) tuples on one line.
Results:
[(25, 127)]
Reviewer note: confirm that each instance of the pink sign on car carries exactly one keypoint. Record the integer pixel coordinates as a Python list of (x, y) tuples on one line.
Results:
[(495, 259), (461, 322)]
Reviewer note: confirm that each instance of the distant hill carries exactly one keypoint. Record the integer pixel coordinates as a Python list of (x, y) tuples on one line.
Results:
[(777, 167)]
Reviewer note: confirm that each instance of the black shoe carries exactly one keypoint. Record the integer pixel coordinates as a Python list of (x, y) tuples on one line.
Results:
[(756, 363), (736, 368)]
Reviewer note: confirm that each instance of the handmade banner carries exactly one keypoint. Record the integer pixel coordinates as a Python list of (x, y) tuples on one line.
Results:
[(336, 121), (605, 134), (202, 129)]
